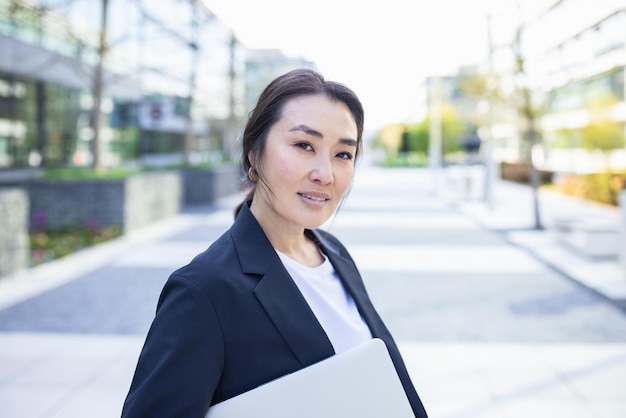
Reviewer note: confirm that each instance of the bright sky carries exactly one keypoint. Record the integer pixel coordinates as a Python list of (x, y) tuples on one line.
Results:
[(382, 50)]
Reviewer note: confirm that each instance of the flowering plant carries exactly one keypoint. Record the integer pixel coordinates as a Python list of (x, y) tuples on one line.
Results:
[(48, 244)]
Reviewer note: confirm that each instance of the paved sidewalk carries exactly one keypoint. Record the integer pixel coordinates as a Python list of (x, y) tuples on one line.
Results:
[(512, 214), (489, 327)]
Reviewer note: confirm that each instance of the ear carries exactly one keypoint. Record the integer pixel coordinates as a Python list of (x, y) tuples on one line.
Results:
[(251, 158)]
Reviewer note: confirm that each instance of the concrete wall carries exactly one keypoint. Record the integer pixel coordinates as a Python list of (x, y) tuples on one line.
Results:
[(130, 203), (58, 203), (14, 246), (150, 197), (205, 186)]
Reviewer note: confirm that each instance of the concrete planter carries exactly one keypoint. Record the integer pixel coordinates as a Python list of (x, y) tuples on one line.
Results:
[(593, 238), (520, 173), (14, 246), (205, 186), (130, 203)]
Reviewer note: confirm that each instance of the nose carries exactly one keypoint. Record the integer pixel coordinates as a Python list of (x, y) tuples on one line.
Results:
[(322, 172)]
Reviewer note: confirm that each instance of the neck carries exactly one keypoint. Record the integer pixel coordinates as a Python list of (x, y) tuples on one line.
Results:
[(308, 254), (288, 239)]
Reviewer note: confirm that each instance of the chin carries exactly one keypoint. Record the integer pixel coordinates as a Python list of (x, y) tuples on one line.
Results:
[(314, 223)]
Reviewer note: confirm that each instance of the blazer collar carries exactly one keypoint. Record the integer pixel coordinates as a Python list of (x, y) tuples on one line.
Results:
[(277, 291), (256, 254)]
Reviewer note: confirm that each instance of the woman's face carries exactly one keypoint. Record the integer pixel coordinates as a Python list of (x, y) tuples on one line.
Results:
[(308, 164)]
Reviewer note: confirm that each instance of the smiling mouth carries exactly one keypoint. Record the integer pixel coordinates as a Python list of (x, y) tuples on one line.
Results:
[(316, 198)]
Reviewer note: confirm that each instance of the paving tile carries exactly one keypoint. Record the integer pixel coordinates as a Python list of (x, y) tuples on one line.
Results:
[(413, 258), (509, 385), (602, 381), (31, 402), (610, 409), (488, 328), (168, 254), (547, 408), (92, 403), (464, 408)]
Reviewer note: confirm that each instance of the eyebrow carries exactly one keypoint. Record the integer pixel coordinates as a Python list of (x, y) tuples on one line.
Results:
[(310, 131)]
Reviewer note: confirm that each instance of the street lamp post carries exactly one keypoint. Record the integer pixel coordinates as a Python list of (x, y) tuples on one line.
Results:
[(98, 87), (490, 143), (529, 129), (434, 145), (195, 55)]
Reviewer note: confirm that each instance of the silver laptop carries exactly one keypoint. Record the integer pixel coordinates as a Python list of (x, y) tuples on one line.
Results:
[(361, 382)]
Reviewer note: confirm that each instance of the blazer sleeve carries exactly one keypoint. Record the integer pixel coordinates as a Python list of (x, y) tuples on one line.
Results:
[(180, 364)]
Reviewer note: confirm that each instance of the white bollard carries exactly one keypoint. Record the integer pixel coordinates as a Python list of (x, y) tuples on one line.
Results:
[(622, 205)]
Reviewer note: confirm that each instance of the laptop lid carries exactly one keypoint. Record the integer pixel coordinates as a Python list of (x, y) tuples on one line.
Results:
[(361, 382)]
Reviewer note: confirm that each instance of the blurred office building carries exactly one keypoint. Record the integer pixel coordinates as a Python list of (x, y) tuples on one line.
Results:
[(263, 65), (168, 76), (575, 55), (561, 63)]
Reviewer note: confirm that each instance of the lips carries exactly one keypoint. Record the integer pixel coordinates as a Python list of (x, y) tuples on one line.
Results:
[(317, 197)]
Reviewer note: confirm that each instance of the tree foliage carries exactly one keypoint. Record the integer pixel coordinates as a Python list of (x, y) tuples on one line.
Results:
[(602, 132), (453, 129)]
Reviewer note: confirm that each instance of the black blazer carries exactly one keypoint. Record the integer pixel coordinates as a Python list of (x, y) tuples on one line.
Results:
[(233, 319)]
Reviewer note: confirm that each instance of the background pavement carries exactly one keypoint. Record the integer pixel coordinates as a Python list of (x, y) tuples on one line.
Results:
[(494, 318)]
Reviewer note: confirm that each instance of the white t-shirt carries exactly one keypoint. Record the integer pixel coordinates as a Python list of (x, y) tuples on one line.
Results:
[(332, 305)]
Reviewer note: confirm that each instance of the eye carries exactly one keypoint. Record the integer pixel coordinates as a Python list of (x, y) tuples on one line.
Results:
[(305, 146), (345, 155)]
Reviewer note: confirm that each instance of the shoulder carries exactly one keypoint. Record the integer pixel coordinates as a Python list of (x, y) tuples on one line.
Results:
[(206, 269), (219, 251), (229, 251), (236, 260)]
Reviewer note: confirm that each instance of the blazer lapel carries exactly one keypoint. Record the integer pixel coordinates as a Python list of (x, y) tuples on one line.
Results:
[(351, 279), (292, 316), (278, 293)]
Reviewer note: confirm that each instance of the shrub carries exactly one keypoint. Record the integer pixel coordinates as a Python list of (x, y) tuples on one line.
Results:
[(82, 173), (599, 187), (48, 244), (411, 159)]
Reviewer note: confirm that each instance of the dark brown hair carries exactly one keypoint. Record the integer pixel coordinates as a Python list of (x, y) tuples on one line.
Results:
[(268, 111)]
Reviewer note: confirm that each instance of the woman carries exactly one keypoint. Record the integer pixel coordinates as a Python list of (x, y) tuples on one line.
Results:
[(273, 294)]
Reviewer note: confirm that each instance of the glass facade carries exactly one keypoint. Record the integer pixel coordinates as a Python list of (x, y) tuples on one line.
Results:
[(163, 49), (48, 124), (580, 67), (583, 94)]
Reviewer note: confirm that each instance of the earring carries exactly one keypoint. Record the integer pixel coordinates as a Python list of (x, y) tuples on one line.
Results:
[(253, 175)]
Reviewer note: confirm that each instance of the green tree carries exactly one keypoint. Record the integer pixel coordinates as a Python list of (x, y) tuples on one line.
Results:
[(418, 135), (452, 130), (602, 132), (605, 135)]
